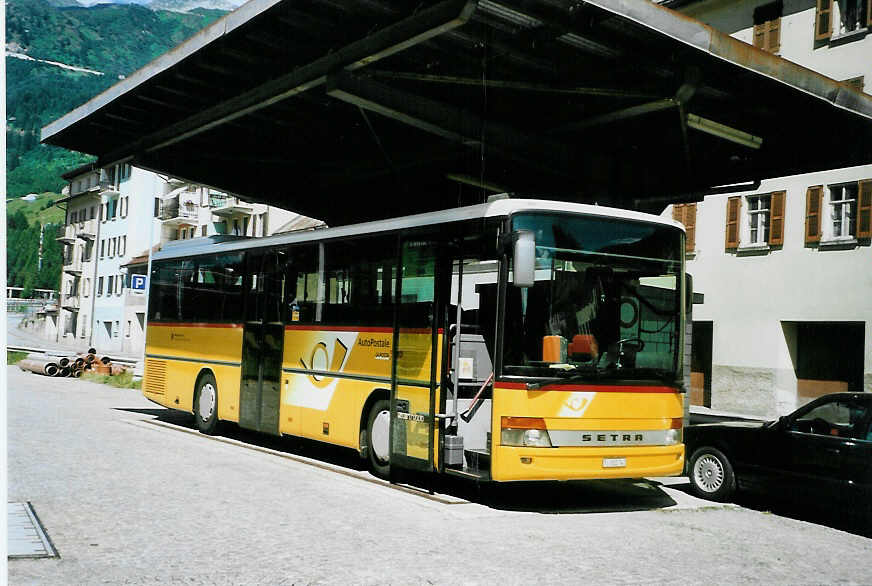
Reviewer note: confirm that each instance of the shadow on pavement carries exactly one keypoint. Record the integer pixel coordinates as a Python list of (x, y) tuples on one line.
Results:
[(843, 519), (587, 496), (590, 496)]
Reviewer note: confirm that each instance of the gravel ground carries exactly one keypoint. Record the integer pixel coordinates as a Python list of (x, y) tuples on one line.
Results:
[(129, 495)]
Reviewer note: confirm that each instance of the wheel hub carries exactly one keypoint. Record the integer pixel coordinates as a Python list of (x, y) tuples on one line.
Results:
[(709, 473), (379, 436), (206, 402)]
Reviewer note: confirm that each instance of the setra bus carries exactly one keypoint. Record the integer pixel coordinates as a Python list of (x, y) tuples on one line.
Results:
[(506, 341)]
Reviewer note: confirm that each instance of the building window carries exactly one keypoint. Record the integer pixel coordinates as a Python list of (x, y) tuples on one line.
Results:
[(110, 284), (837, 18), (128, 329), (123, 246), (757, 222), (124, 172), (100, 286), (119, 282), (767, 27), (202, 230), (115, 328), (73, 217), (102, 247), (87, 288), (843, 210), (758, 218), (191, 233)]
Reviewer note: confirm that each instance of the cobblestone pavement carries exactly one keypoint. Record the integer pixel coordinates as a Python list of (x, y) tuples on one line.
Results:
[(130, 495)]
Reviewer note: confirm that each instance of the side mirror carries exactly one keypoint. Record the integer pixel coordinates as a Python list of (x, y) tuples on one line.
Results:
[(688, 293), (524, 259)]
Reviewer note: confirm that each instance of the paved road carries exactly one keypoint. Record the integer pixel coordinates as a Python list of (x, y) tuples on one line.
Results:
[(129, 494)]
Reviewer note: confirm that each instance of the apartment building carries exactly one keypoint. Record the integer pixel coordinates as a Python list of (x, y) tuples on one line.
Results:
[(114, 217), (83, 202), (787, 312)]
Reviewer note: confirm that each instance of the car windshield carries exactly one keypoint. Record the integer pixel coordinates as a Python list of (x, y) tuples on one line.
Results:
[(605, 302)]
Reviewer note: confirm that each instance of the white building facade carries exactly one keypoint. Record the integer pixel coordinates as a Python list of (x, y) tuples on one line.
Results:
[(114, 217), (787, 311)]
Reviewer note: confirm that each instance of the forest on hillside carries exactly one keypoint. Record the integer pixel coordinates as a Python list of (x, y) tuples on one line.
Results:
[(23, 268), (114, 40)]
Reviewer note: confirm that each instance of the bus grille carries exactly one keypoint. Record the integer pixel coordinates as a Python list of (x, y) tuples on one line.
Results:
[(155, 376)]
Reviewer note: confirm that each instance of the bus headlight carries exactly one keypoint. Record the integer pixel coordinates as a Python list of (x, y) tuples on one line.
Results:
[(673, 436), (524, 431)]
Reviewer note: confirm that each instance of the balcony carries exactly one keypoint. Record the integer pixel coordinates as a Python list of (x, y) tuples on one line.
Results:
[(71, 302), (73, 267), (229, 206), (66, 234), (134, 299), (175, 214), (87, 230)]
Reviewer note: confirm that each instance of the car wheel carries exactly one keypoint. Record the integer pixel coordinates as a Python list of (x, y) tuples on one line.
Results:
[(711, 475), (378, 425), (206, 404)]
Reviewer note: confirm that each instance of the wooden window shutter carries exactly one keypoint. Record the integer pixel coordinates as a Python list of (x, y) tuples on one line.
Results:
[(776, 218), (823, 22), (813, 203), (864, 209), (734, 205), (760, 35), (773, 35), (690, 227), (678, 212)]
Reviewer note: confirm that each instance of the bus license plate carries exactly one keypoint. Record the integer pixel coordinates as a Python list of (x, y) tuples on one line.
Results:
[(614, 462)]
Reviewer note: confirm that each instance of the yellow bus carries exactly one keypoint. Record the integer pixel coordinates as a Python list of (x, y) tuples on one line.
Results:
[(518, 339)]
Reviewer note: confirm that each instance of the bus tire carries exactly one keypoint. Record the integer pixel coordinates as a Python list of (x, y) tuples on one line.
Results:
[(377, 439), (206, 404)]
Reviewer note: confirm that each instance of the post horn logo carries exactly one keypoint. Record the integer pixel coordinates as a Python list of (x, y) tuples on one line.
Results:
[(321, 360)]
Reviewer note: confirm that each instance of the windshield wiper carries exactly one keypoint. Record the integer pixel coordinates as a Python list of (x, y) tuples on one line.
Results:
[(664, 376), (566, 380)]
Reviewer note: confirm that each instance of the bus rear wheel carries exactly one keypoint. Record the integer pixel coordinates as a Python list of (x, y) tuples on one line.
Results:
[(206, 404), (378, 425)]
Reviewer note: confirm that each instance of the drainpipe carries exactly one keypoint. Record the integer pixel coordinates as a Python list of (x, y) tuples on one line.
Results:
[(95, 252)]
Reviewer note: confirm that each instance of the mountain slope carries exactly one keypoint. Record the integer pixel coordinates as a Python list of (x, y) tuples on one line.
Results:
[(111, 39)]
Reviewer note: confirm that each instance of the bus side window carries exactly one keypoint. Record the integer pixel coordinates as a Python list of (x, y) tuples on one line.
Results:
[(360, 275), (301, 285)]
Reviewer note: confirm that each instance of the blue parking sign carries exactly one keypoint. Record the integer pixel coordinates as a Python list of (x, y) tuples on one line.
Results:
[(137, 282)]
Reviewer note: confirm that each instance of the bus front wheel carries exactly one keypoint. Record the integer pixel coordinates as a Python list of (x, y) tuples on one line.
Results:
[(206, 404), (378, 424)]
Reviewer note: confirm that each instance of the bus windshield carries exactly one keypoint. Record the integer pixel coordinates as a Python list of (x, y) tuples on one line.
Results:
[(606, 301)]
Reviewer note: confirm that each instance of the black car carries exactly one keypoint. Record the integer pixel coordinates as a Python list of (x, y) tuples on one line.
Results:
[(822, 452)]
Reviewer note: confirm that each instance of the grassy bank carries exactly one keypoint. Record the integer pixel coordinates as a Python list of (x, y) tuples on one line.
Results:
[(14, 357), (122, 381)]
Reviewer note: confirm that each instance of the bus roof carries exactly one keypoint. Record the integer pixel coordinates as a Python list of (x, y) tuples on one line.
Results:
[(493, 209)]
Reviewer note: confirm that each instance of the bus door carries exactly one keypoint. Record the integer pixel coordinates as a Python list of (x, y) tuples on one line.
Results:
[(262, 342), (413, 380)]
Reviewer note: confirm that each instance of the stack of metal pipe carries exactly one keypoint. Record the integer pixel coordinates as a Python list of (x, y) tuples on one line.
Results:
[(70, 366)]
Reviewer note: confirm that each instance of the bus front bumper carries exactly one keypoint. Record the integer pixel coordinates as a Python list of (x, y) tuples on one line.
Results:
[(585, 463)]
